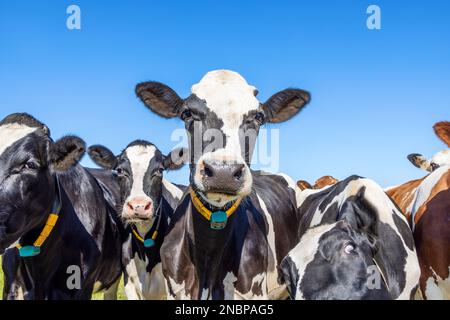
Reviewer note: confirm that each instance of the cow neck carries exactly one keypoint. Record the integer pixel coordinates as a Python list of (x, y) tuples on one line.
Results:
[(210, 246), (217, 217), (147, 240), (35, 248)]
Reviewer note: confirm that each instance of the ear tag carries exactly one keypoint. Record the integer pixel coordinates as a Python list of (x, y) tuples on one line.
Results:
[(29, 251), (149, 243), (218, 220)]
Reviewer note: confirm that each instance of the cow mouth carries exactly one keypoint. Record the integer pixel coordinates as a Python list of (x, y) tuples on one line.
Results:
[(219, 199)]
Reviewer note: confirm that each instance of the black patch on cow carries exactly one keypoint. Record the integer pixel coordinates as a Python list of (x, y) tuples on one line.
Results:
[(404, 230)]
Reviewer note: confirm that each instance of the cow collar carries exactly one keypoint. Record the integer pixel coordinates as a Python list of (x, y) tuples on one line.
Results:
[(150, 242), (35, 249), (217, 218)]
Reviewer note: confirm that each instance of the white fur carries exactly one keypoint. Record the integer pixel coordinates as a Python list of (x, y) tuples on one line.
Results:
[(142, 285), (438, 288), (139, 157), (441, 158), (12, 132)]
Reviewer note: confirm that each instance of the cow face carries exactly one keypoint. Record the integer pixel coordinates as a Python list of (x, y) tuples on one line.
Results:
[(222, 117), (333, 261), (139, 169), (29, 161)]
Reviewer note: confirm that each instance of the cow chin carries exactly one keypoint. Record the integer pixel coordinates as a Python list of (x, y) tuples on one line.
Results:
[(220, 198)]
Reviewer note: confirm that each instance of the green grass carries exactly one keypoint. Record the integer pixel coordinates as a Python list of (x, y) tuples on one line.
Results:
[(95, 296)]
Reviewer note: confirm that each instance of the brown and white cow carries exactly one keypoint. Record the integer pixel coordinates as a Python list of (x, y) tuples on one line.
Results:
[(229, 233), (320, 183), (426, 204)]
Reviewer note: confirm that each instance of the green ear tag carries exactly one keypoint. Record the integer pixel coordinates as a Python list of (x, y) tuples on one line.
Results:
[(149, 243), (29, 251), (218, 220)]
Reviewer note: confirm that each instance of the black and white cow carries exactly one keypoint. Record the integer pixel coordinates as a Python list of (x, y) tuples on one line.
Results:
[(355, 244), (146, 206), (233, 227), (42, 185)]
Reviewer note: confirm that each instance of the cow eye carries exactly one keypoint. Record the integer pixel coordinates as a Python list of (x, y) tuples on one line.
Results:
[(30, 165), (186, 114), (260, 118), (349, 248), (121, 172)]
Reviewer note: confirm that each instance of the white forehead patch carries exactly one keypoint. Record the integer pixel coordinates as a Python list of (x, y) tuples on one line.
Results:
[(12, 132), (227, 94), (139, 157), (441, 158)]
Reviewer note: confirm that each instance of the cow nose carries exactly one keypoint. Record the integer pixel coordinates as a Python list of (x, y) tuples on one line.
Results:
[(222, 176), (139, 207)]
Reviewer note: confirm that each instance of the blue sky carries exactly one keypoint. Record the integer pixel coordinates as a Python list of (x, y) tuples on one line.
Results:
[(375, 93)]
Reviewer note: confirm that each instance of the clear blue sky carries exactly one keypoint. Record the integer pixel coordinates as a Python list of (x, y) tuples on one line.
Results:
[(375, 94)]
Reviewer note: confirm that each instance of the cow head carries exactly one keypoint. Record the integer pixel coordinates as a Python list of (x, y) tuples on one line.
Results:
[(29, 161), (442, 158), (338, 260), (222, 117), (332, 262), (139, 169)]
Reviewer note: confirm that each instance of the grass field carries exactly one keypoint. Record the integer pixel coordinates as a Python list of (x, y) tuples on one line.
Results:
[(95, 296)]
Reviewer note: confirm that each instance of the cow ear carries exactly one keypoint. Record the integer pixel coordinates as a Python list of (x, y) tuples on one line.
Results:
[(102, 156), (302, 184), (66, 152), (442, 130), (419, 161), (289, 273), (159, 98), (285, 104), (175, 159)]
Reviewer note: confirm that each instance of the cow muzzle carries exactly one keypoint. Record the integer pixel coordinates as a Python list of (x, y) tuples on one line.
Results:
[(221, 181), (138, 208)]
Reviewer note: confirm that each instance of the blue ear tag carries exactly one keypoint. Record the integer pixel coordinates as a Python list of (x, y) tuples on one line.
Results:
[(29, 251), (218, 220), (149, 243)]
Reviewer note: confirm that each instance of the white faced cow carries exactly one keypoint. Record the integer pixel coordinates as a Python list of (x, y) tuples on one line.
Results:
[(233, 227), (146, 206)]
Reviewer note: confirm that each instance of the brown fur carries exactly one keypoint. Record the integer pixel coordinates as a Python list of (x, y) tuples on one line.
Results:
[(442, 130)]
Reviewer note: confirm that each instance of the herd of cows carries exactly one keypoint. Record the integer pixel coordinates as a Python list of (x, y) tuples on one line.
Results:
[(233, 233)]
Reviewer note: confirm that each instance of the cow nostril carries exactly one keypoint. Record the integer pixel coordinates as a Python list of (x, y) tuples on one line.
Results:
[(208, 171), (239, 172), (130, 206), (147, 206)]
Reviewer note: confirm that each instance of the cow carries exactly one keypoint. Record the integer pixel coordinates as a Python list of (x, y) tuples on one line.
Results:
[(320, 183), (233, 225), (354, 244), (57, 223), (147, 201), (426, 205)]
